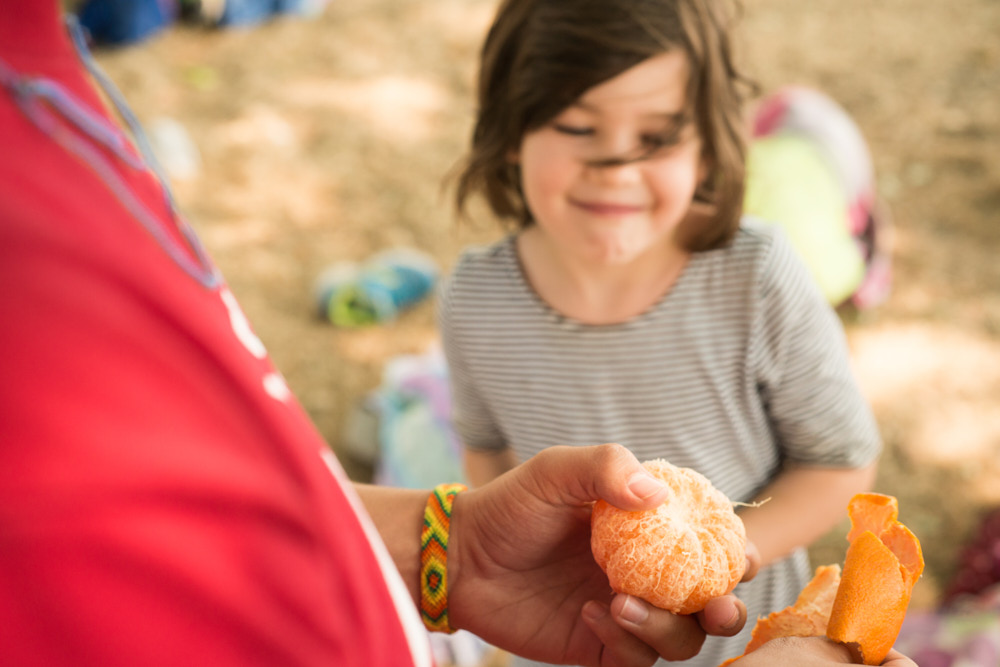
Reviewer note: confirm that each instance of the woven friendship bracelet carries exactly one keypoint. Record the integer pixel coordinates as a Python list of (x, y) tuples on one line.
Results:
[(434, 557)]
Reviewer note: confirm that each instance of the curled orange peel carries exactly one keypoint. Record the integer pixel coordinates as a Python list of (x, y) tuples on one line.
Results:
[(864, 606), (883, 563)]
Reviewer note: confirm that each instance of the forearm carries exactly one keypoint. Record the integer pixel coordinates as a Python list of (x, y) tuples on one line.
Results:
[(482, 466), (398, 515), (800, 506)]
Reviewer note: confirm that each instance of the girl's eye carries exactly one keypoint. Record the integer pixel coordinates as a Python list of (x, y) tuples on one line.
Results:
[(573, 130), (654, 142)]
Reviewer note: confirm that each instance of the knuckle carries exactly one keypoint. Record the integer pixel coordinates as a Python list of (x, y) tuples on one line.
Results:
[(612, 455), (686, 645), (681, 639)]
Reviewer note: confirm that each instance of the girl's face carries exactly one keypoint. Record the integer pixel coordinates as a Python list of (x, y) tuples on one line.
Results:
[(599, 210)]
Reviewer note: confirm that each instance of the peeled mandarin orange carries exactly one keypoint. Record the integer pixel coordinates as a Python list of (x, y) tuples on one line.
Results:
[(882, 564), (678, 556)]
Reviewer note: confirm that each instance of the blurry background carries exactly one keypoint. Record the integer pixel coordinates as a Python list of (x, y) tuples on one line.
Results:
[(329, 137)]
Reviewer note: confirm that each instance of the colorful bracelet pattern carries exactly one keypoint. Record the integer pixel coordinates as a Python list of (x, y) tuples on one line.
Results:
[(434, 557)]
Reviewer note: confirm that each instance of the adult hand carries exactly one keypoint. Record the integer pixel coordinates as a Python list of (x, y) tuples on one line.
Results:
[(810, 652), (522, 576)]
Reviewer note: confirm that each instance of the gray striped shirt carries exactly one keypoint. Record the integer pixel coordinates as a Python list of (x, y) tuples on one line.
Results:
[(739, 369)]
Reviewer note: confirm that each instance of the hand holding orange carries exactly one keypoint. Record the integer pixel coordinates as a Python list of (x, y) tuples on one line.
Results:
[(692, 548)]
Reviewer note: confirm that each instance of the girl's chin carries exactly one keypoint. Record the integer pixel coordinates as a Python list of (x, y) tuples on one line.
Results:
[(612, 251), (611, 255)]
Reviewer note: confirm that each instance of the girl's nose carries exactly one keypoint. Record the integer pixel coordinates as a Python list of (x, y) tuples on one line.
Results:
[(611, 162), (614, 171), (612, 150), (617, 167), (617, 155)]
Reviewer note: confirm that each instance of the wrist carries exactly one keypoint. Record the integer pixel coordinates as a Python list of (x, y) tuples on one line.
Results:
[(437, 570)]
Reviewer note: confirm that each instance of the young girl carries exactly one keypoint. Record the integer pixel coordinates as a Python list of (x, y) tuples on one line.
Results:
[(631, 303)]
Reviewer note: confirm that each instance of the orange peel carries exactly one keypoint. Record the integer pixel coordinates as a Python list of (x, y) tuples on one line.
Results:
[(862, 607), (678, 556), (882, 565), (808, 617)]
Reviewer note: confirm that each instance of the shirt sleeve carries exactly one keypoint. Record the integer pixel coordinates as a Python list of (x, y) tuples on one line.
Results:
[(471, 417), (802, 364)]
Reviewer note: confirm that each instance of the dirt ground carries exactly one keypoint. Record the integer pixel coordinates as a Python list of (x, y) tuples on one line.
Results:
[(328, 139)]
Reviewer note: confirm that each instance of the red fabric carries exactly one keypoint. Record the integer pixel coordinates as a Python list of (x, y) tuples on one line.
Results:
[(157, 504)]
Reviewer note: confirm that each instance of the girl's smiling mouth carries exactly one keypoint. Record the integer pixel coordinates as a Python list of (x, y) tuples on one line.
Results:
[(607, 208)]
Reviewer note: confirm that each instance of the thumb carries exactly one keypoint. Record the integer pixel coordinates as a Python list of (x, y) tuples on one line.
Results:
[(580, 475)]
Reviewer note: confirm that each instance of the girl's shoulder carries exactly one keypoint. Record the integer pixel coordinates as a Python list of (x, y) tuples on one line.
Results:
[(478, 257), (775, 271), (757, 237), (757, 246), (482, 272), (759, 263), (496, 263), (751, 248)]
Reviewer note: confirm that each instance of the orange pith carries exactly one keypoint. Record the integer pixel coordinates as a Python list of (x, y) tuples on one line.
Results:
[(680, 555), (806, 618)]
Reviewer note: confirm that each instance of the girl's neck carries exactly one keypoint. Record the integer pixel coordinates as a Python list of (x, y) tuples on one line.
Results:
[(598, 295)]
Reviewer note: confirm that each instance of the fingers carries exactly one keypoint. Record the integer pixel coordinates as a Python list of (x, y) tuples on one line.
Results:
[(809, 652), (796, 652), (723, 616), (753, 561), (633, 630), (585, 474), (620, 647), (897, 659), (667, 635)]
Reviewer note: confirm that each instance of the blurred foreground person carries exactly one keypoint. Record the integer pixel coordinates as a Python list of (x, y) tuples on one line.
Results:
[(164, 500)]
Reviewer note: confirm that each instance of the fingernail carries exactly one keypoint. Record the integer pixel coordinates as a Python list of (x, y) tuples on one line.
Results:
[(634, 611), (733, 620), (594, 611), (644, 485)]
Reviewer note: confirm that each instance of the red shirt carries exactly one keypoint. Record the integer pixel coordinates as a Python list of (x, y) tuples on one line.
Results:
[(163, 499)]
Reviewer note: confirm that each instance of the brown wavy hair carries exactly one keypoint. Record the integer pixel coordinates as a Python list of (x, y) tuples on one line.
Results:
[(540, 56)]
